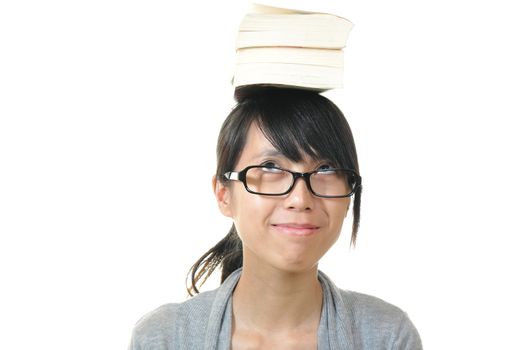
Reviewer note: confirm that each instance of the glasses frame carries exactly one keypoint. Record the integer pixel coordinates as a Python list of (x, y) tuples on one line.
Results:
[(241, 176)]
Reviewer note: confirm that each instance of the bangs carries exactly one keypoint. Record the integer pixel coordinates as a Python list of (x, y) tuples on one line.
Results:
[(299, 123)]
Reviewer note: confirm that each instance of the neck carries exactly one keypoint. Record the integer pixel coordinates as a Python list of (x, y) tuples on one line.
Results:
[(271, 300)]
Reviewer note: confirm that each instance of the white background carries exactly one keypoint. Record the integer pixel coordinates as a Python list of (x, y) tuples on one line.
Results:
[(109, 113)]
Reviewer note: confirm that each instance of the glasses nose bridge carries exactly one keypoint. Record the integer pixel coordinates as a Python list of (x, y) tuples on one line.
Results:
[(304, 176)]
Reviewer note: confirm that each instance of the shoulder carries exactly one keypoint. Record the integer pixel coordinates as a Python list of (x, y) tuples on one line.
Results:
[(367, 307), (379, 323), (186, 325), (160, 327)]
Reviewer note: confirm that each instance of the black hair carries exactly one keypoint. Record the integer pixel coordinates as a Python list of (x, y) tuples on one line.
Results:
[(296, 122)]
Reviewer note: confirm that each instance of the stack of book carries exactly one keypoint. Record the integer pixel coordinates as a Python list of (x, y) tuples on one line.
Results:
[(282, 47)]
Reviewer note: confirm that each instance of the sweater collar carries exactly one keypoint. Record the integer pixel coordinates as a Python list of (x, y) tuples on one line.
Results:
[(336, 331)]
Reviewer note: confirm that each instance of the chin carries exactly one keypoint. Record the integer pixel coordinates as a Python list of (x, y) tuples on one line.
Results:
[(296, 267)]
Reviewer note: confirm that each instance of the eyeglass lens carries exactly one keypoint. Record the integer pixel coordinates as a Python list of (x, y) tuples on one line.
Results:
[(277, 181)]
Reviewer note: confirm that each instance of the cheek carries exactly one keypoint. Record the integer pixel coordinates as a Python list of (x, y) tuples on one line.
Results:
[(338, 214), (249, 211)]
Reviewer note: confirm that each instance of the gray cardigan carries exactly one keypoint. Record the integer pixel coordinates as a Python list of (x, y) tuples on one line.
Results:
[(349, 320)]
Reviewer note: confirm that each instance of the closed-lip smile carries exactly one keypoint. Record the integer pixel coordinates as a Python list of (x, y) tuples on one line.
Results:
[(296, 229)]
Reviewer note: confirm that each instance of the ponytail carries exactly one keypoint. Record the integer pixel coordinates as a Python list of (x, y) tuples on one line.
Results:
[(227, 253)]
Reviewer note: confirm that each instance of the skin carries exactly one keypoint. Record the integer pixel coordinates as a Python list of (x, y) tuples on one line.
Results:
[(278, 300)]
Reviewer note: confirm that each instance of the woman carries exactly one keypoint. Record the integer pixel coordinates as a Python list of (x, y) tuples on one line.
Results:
[(287, 175)]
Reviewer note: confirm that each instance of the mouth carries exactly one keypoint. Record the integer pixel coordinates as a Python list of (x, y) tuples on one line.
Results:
[(295, 229)]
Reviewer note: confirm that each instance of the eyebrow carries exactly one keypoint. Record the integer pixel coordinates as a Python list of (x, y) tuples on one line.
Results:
[(269, 152)]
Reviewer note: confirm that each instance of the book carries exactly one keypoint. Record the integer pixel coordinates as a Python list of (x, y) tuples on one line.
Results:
[(285, 47), (293, 29), (291, 55)]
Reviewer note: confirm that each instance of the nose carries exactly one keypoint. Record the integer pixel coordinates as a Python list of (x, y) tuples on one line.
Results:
[(300, 198)]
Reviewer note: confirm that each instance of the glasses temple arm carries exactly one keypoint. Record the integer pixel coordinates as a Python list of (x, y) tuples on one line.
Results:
[(232, 175)]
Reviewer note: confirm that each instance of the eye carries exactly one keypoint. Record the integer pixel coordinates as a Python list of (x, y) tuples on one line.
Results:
[(325, 169), (271, 167), (325, 166), (269, 164)]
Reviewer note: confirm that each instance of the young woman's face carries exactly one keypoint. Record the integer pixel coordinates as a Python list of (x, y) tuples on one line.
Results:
[(290, 232)]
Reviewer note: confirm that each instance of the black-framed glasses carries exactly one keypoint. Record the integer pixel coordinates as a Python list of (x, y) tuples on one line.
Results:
[(274, 181)]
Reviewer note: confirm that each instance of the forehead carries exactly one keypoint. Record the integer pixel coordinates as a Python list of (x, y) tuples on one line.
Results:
[(258, 148)]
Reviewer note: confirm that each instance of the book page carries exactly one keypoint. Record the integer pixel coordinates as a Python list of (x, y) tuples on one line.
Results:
[(297, 6)]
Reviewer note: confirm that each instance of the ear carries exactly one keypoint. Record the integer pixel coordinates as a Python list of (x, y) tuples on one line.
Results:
[(223, 196)]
